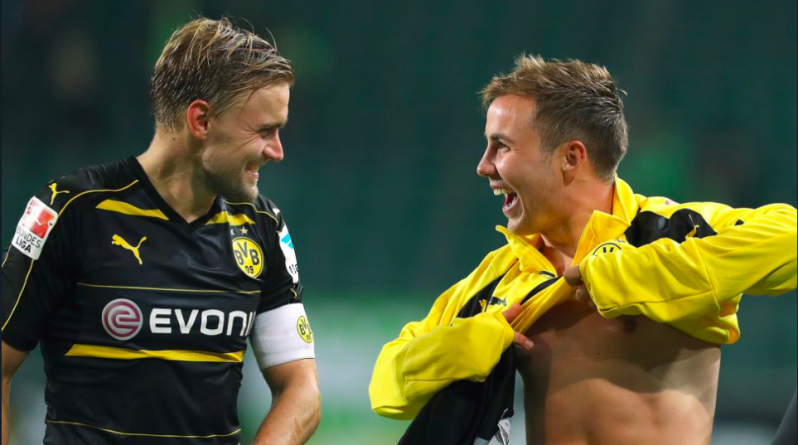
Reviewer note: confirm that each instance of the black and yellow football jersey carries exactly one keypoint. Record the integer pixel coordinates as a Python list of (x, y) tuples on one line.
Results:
[(143, 318)]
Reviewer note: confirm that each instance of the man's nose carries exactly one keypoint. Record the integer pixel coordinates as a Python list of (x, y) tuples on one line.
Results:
[(485, 167), (274, 149)]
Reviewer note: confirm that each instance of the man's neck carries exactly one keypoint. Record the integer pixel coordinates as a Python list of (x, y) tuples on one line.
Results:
[(175, 170), (561, 242)]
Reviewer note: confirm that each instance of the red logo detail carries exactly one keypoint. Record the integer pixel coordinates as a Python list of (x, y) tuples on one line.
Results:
[(122, 319), (39, 218)]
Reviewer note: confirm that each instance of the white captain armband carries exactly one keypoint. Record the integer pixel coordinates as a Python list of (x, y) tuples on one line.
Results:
[(282, 335)]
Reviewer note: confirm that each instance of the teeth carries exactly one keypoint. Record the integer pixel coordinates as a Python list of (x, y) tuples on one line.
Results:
[(504, 192)]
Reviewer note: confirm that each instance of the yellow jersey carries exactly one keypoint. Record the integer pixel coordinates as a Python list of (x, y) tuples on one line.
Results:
[(682, 264)]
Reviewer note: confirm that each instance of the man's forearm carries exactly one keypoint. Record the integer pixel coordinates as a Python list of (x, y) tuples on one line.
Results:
[(6, 392), (294, 416), (12, 360), (409, 372)]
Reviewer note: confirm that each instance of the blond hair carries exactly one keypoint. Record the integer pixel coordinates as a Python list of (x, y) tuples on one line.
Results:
[(574, 101), (213, 61)]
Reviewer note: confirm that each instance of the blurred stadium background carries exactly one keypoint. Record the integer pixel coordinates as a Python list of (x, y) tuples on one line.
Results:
[(379, 183)]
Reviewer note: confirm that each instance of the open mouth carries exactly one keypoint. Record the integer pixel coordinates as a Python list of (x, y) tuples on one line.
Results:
[(252, 170), (510, 198)]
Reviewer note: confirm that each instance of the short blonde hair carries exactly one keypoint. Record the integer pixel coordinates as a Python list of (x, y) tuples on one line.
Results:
[(574, 101), (213, 61)]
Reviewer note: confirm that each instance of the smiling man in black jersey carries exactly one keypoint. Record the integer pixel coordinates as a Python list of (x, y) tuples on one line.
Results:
[(142, 279)]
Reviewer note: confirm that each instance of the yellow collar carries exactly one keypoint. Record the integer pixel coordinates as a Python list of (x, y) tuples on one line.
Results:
[(600, 227)]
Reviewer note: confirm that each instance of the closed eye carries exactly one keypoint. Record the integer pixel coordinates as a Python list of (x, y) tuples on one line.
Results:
[(498, 146), (269, 130), (497, 141)]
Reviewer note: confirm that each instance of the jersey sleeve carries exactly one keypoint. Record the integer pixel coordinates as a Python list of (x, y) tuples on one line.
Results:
[(37, 269), (748, 251), (430, 354), (281, 284)]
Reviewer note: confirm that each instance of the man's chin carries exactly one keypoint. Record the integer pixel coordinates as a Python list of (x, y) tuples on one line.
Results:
[(233, 188), (242, 194)]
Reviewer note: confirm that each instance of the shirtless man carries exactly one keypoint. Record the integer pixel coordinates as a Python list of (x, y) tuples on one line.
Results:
[(640, 363)]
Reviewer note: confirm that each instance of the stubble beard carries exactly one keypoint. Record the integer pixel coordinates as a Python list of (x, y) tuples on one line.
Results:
[(232, 187)]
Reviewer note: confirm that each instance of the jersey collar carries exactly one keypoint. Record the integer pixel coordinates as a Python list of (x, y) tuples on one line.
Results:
[(601, 227), (174, 217)]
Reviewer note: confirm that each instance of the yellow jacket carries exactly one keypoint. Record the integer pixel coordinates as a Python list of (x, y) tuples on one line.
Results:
[(696, 258)]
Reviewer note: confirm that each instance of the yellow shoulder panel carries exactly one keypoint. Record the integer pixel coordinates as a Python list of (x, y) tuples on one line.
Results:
[(238, 219), (112, 205)]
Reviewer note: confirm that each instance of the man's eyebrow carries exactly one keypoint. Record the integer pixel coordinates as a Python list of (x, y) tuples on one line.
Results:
[(498, 137), (273, 125)]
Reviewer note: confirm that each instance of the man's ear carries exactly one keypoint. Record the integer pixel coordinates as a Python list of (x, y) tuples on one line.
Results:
[(573, 155), (198, 118)]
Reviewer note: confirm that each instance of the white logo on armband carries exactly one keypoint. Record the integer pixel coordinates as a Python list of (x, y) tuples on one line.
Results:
[(303, 329)]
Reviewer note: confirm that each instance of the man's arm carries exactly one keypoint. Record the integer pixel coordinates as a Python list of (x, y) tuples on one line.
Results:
[(430, 354), (418, 364), (752, 252), (296, 404), (12, 360)]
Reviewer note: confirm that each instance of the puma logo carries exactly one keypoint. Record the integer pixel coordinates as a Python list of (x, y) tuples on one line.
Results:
[(483, 304), (55, 192), (119, 241)]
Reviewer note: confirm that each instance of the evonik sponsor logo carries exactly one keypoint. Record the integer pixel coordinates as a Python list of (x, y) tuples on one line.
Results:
[(212, 321), (123, 320)]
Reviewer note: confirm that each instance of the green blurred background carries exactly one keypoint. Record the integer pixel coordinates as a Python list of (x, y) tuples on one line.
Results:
[(379, 183)]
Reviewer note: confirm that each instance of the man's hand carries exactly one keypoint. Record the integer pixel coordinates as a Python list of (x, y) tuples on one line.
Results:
[(573, 277), (519, 339)]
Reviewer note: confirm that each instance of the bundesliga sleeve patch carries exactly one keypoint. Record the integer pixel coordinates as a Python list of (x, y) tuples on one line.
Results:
[(287, 247), (34, 227)]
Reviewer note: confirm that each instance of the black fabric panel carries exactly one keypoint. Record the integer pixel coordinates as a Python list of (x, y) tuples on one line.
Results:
[(466, 410), (472, 307), (648, 227), (539, 288)]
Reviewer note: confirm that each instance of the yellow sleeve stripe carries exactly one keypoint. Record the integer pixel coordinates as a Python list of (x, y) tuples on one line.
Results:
[(176, 355), (129, 209), (262, 212), (19, 297), (239, 219), (63, 422), (8, 252)]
